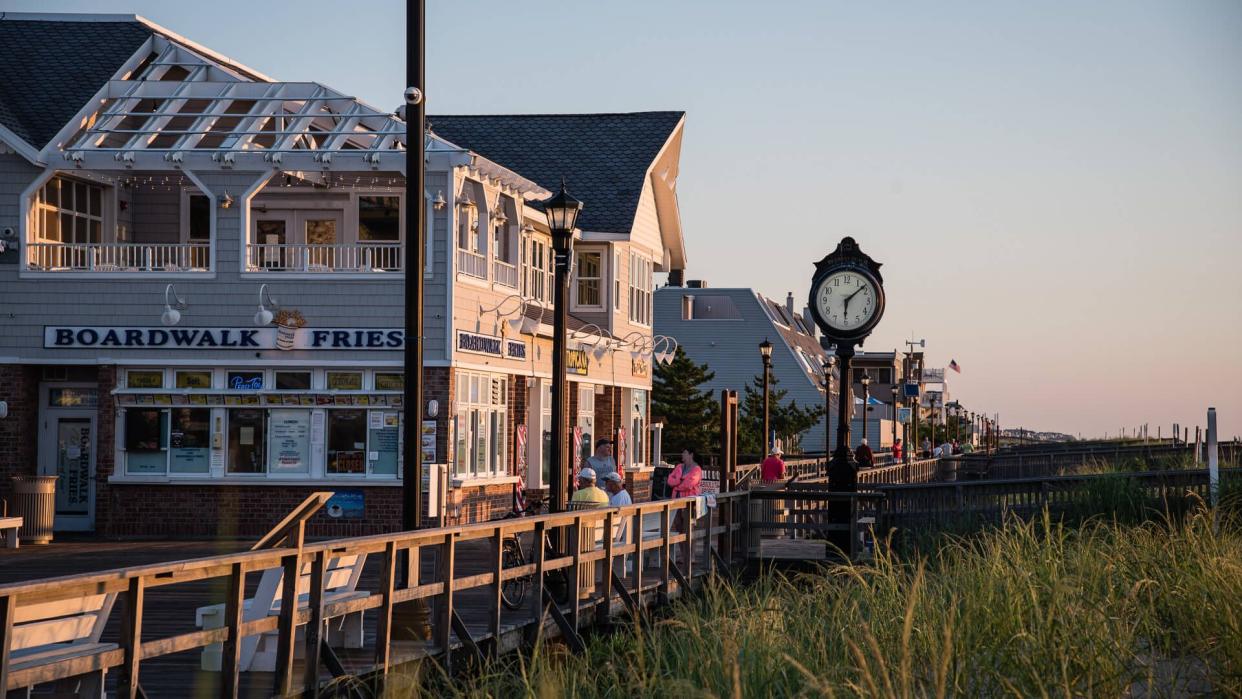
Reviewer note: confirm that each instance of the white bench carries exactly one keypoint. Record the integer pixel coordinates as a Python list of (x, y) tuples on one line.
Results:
[(258, 653), (47, 632), (9, 527)]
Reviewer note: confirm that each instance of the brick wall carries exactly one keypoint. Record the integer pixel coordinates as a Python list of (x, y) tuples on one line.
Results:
[(438, 385), (19, 432), (105, 444), (228, 511)]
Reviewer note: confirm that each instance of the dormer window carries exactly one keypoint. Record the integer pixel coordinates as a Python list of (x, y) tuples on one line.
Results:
[(588, 279)]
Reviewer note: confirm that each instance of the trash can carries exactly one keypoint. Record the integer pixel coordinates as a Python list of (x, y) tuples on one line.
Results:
[(35, 502)]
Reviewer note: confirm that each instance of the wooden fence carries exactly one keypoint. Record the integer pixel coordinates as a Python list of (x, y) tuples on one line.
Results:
[(657, 573), (989, 501)]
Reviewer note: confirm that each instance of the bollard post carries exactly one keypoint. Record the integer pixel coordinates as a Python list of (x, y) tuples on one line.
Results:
[(1213, 459)]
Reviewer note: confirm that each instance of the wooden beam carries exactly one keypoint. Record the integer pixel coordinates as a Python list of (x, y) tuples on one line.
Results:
[(314, 625), (8, 612), (383, 628), (286, 635), (572, 639), (233, 606), (463, 634), (131, 640)]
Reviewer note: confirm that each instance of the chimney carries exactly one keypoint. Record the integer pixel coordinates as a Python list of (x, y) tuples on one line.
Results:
[(789, 304), (809, 320), (676, 277), (687, 307), (696, 284)]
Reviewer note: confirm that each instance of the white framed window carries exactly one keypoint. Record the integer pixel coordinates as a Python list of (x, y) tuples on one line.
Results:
[(537, 271), (161, 441), (482, 425), (616, 280), (641, 286), (379, 218), (586, 419), (588, 279), (638, 427), (504, 227), (69, 211)]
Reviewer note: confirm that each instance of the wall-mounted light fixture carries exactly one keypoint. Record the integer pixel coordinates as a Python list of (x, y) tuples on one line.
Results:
[(439, 202), (226, 201), (264, 316), (172, 309)]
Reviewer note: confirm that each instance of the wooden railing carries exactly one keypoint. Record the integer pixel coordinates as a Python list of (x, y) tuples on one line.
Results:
[(919, 471), (718, 541), (118, 257), (939, 504), (297, 257), (809, 523)]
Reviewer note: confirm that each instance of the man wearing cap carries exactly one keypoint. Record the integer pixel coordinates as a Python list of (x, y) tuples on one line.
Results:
[(615, 487), (601, 461), (587, 494), (773, 468)]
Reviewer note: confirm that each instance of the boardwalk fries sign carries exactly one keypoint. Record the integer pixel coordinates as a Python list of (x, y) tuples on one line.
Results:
[(84, 337)]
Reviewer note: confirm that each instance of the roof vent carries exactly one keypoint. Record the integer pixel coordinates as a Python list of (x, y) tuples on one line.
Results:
[(696, 284)]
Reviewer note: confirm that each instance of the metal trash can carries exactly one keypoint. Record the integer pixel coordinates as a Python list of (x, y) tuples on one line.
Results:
[(35, 502)]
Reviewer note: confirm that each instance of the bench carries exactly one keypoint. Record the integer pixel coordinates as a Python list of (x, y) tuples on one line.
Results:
[(47, 632), (9, 527), (258, 653)]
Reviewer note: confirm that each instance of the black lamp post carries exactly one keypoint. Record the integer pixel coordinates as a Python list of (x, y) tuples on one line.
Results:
[(866, 384), (562, 212), (894, 418), (765, 351), (830, 364)]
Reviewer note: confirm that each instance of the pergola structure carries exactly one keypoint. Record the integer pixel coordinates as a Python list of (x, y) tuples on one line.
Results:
[(178, 109)]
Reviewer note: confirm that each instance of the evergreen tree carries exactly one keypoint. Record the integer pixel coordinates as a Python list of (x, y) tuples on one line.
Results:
[(691, 414), (788, 420)]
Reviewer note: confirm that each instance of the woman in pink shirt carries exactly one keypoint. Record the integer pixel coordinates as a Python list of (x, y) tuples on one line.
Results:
[(685, 479)]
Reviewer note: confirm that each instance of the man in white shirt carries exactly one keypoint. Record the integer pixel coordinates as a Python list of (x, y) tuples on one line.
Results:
[(617, 494)]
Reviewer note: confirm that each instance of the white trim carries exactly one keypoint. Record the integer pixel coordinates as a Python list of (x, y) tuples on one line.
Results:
[(20, 146), (356, 480), (481, 482)]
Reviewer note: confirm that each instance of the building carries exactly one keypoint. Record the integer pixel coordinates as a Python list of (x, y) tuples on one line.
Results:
[(723, 328), (202, 287)]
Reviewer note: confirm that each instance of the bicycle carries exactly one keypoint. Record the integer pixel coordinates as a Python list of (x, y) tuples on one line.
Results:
[(514, 590)]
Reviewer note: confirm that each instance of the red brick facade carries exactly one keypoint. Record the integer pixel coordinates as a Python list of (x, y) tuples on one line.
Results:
[(19, 432)]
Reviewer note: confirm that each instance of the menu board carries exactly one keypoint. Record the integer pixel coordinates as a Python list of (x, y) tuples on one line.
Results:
[(290, 441), (385, 442)]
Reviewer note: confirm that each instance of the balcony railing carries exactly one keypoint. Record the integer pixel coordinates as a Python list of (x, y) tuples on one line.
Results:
[(118, 257), (505, 273), (303, 257), (472, 263)]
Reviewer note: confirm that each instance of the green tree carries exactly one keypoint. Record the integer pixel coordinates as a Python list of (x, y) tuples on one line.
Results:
[(691, 414), (788, 420)]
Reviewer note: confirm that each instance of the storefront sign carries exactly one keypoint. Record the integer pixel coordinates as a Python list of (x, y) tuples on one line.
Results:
[(638, 367), (79, 337), (490, 345), (577, 362), (346, 503), (428, 441), (290, 440)]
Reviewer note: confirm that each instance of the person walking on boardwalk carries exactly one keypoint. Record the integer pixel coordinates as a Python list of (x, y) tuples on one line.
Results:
[(863, 455), (927, 447), (588, 495), (897, 451), (773, 468)]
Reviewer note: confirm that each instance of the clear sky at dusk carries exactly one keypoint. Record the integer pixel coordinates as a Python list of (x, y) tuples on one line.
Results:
[(1055, 189)]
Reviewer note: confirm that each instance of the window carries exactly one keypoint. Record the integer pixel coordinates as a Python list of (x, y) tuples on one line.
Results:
[(379, 219), (384, 442), (193, 379), (586, 420), (616, 280), (503, 225), (144, 379), (146, 443), (247, 441), (482, 419), (293, 380), (347, 441), (67, 211), (344, 380), (389, 381), (468, 237), (200, 218), (588, 290), (190, 441), (641, 284), (539, 271), (244, 381), (638, 428)]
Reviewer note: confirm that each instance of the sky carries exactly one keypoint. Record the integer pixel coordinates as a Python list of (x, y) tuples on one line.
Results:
[(1054, 188)]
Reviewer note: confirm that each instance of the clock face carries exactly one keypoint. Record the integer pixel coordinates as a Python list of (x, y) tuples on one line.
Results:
[(846, 300)]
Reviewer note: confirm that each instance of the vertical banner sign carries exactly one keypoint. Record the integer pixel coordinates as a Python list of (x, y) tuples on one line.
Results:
[(520, 438), (621, 449), (577, 449)]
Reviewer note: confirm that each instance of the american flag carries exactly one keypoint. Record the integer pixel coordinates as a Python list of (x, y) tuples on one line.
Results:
[(954, 366)]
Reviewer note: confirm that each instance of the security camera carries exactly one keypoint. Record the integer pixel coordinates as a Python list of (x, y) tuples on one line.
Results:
[(413, 95), (8, 232)]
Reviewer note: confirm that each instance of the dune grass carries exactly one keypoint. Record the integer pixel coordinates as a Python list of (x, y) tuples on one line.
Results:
[(1103, 608)]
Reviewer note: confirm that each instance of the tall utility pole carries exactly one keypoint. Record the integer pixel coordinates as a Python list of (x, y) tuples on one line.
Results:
[(415, 226)]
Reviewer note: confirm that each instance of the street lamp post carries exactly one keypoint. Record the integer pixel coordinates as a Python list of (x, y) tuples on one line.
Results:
[(866, 384), (765, 351), (830, 364), (562, 211)]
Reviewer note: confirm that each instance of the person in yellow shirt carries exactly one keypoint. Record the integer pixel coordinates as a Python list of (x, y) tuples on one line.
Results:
[(588, 495)]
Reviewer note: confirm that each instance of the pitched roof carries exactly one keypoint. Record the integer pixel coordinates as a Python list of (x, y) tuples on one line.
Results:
[(51, 69), (603, 157)]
